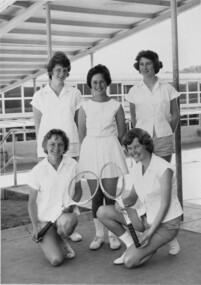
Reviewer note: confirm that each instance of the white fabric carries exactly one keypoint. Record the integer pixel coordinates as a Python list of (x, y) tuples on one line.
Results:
[(58, 112), (148, 188), (52, 186), (153, 107), (101, 144)]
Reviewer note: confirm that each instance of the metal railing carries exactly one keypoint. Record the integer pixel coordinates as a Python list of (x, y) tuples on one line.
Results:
[(13, 158)]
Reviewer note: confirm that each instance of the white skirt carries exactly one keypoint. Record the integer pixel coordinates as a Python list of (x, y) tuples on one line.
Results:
[(97, 151)]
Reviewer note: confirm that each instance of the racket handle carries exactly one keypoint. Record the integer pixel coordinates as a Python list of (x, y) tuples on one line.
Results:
[(133, 234), (44, 230)]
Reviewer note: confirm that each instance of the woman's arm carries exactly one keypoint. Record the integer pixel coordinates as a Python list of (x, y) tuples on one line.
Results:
[(82, 124), (33, 213), (174, 111), (121, 123), (37, 119), (166, 187), (133, 114)]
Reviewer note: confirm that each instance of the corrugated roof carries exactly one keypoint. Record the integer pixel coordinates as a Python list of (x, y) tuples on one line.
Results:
[(78, 27)]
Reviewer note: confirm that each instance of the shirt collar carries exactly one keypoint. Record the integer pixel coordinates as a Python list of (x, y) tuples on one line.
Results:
[(158, 82), (47, 164)]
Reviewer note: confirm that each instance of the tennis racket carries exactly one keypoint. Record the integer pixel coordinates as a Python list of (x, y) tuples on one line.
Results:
[(108, 171), (81, 190)]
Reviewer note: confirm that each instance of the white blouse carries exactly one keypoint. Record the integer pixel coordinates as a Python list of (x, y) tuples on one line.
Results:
[(148, 188), (52, 186), (153, 107), (57, 112)]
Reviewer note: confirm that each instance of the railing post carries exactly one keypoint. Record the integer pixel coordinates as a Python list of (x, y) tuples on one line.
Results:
[(14, 159)]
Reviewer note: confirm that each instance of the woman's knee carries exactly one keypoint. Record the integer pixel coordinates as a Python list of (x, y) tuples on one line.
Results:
[(131, 262), (56, 260)]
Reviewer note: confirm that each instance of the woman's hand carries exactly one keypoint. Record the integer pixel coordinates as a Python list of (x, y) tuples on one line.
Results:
[(35, 235), (69, 209), (145, 238), (120, 209)]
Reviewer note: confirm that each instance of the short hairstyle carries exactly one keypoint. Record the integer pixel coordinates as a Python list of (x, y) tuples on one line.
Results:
[(143, 137), (58, 58), (102, 69), (56, 132), (153, 56)]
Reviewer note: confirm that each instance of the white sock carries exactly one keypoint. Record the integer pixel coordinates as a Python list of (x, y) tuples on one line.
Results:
[(127, 239), (99, 228)]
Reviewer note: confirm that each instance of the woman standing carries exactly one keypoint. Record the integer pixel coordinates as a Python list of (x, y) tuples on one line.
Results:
[(153, 107), (56, 105), (101, 126)]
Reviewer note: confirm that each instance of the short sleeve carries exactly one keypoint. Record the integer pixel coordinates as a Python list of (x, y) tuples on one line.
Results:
[(78, 98), (162, 166), (32, 180), (173, 92), (36, 101), (130, 97)]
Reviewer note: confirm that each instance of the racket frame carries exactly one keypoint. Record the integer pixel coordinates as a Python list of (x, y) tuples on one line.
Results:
[(50, 223), (119, 200)]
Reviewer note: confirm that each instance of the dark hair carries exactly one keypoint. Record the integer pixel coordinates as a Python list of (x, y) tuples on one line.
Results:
[(56, 132), (153, 56), (143, 137), (102, 69), (58, 58)]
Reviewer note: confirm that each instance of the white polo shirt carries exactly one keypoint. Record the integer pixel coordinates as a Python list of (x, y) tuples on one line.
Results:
[(148, 188), (52, 186), (153, 107), (58, 112)]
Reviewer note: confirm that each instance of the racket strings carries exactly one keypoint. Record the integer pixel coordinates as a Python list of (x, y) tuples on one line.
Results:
[(83, 188), (112, 180)]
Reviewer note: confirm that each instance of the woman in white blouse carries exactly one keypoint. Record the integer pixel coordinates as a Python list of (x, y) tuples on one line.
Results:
[(153, 104), (154, 184), (49, 181), (56, 105)]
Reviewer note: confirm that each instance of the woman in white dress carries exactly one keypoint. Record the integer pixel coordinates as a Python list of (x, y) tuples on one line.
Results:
[(56, 107), (101, 126)]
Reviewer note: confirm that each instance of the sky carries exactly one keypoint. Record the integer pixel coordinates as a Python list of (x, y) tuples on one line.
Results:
[(119, 57)]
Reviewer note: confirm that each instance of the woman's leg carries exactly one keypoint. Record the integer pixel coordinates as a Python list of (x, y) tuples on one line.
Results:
[(51, 246), (134, 257), (97, 201)]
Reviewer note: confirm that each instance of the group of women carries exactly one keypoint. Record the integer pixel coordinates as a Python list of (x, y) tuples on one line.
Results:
[(92, 133)]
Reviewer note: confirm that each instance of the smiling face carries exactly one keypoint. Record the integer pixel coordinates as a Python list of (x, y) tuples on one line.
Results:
[(55, 147), (59, 73), (98, 84), (146, 67), (137, 150)]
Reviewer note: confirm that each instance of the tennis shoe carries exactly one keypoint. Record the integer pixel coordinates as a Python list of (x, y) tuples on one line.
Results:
[(119, 260), (75, 237), (68, 251), (96, 243), (114, 242), (174, 247)]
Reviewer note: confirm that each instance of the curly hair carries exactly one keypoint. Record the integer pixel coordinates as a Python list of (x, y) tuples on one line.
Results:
[(153, 56), (99, 69), (58, 58), (56, 132), (143, 137)]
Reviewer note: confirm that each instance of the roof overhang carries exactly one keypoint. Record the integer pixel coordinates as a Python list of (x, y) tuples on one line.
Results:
[(78, 27)]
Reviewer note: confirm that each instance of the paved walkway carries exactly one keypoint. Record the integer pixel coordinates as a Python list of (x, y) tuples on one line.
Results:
[(24, 263)]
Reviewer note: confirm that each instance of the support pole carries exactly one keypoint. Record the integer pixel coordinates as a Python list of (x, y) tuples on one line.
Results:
[(48, 24), (34, 84), (176, 85), (92, 59)]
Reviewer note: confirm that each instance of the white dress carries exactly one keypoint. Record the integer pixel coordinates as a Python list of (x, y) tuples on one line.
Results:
[(101, 144), (58, 113)]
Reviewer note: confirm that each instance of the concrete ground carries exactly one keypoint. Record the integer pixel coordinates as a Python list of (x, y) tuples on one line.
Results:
[(24, 263)]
